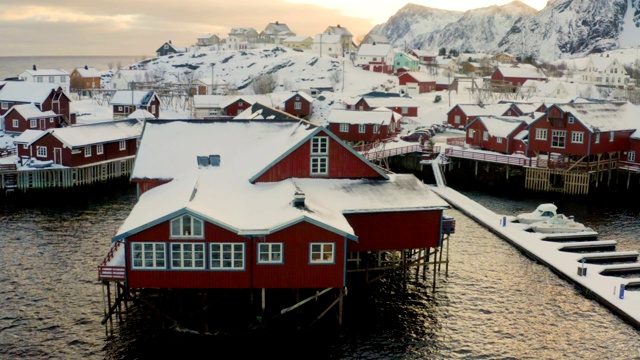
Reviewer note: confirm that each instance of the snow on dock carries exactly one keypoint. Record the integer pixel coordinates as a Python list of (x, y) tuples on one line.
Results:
[(605, 288)]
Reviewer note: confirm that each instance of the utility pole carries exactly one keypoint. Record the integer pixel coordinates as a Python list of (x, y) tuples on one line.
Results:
[(212, 81), (343, 71)]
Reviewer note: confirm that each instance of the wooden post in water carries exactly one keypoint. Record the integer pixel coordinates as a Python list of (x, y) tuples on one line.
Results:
[(264, 295)]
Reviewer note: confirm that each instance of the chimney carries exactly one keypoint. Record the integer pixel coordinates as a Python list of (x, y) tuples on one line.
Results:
[(298, 199), (34, 67), (86, 67)]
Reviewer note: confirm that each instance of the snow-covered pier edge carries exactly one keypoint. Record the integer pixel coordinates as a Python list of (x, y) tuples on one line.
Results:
[(604, 289)]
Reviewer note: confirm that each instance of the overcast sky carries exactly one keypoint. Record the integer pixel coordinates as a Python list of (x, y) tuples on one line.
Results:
[(139, 27)]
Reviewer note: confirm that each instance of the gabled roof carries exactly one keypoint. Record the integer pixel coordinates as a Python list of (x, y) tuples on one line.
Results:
[(603, 116), (482, 110), (47, 72), (258, 111), (375, 50), (243, 31), (26, 91), (131, 75), (326, 39), (303, 95), (224, 194), (338, 30), (29, 136), (277, 29), (249, 99), (419, 76), (423, 53), (30, 111), (97, 133), (406, 55), (88, 72), (376, 117), (601, 63), (129, 97), (376, 38), (392, 101), (506, 125), (141, 114), (296, 39), (521, 71)]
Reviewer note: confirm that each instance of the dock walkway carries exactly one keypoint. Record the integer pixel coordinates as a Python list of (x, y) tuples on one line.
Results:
[(606, 289)]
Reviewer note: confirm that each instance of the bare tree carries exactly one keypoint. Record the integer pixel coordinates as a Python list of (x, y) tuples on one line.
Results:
[(264, 84)]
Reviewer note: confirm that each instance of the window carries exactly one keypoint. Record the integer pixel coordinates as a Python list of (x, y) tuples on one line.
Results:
[(362, 128), (344, 127), (153, 109), (99, 149), (16, 123), (319, 165), (52, 79), (50, 120), (376, 129), (120, 108), (558, 138), (541, 134), (499, 140), (33, 123), (577, 137), (148, 256), (456, 119), (321, 253), (240, 103), (186, 226), (405, 110), (631, 156), (611, 133), (571, 120), (122, 145), (597, 140), (42, 151), (485, 136), (470, 133), (297, 105), (5, 106), (320, 145), (87, 151), (227, 256), (270, 253), (187, 256), (166, 47)]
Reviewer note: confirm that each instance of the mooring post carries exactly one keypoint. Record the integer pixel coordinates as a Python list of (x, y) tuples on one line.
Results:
[(264, 295)]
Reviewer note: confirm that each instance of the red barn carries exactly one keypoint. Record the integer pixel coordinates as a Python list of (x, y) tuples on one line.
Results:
[(582, 131), (27, 116), (81, 145), (512, 77), (300, 104), (125, 102), (261, 205), (362, 127), (414, 83)]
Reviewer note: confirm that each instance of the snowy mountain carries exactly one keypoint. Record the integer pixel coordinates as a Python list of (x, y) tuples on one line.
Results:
[(563, 29), (431, 29)]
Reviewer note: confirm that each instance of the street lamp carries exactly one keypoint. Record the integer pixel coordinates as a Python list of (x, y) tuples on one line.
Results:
[(212, 84)]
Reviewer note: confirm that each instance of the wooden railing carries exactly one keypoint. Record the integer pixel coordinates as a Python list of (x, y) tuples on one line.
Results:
[(456, 141), (449, 226), (106, 272), (8, 167), (496, 158), (373, 155)]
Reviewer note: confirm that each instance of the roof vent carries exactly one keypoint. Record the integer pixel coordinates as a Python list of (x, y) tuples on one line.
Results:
[(214, 160), (298, 199), (210, 160)]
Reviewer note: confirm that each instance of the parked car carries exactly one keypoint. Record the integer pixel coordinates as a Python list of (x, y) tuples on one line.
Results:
[(417, 135)]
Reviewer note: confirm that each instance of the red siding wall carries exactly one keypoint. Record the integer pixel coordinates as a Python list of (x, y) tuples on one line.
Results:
[(305, 110), (25, 124), (464, 119), (235, 108), (395, 231), (342, 164), (111, 151)]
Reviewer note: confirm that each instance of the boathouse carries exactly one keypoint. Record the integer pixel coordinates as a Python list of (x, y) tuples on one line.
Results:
[(46, 97), (28, 116), (299, 104), (496, 133), (360, 127), (260, 205)]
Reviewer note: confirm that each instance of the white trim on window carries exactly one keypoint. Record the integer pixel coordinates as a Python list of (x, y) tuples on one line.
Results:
[(344, 127), (41, 151), (122, 145), (320, 145), (148, 255), (362, 128), (16, 123), (227, 256), (319, 165), (186, 226), (541, 134), (270, 253), (577, 137), (187, 255), (322, 253), (87, 151), (99, 149), (33, 123)]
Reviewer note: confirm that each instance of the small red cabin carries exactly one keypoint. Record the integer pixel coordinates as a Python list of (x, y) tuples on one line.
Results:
[(300, 104)]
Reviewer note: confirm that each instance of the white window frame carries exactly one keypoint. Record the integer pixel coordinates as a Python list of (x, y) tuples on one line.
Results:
[(577, 137), (297, 105), (319, 254), (556, 136), (344, 127), (498, 140), (456, 119), (41, 151), (376, 129), (33, 123), (542, 134), (5, 105), (87, 151), (319, 165), (485, 136), (320, 145), (631, 156), (16, 123), (270, 253), (611, 136), (51, 120), (404, 110), (153, 252), (99, 149), (362, 128), (597, 139), (186, 227), (122, 145), (218, 256), (188, 255), (471, 133), (571, 120)]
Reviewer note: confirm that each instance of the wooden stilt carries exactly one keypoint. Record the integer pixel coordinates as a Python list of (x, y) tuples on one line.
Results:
[(440, 261), (425, 263), (435, 260), (340, 306), (264, 295), (109, 304), (447, 267)]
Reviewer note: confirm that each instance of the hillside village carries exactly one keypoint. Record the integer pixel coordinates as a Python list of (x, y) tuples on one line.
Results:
[(325, 79)]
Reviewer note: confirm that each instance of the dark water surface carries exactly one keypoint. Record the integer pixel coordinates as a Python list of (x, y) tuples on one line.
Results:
[(494, 304)]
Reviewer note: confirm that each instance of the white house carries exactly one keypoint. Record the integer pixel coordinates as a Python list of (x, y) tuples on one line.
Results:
[(604, 70), (51, 76), (375, 55), (242, 38), (123, 78), (327, 45)]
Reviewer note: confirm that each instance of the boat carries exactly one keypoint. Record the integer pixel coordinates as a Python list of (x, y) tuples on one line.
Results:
[(542, 212), (559, 224)]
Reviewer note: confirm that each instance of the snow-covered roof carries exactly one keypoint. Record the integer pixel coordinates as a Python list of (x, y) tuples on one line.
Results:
[(484, 110), (391, 101), (30, 111), (341, 116), (243, 31), (26, 91), (47, 72), (224, 195), (141, 114), (420, 76), (604, 116), (407, 55), (522, 71), (338, 30), (209, 101), (29, 136), (259, 111), (97, 133), (129, 97), (88, 72), (295, 39), (423, 53), (601, 63), (326, 39), (503, 126), (131, 75), (303, 95), (377, 38), (375, 50)]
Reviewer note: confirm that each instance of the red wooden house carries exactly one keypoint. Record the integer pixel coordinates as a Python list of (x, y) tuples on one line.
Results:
[(584, 131), (630, 157), (125, 102), (28, 116), (237, 104), (81, 145), (498, 134), (362, 127), (402, 105), (260, 204), (46, 97), (512, 77), (414, 83), (300, 104), (423, 56), (462, 114)]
